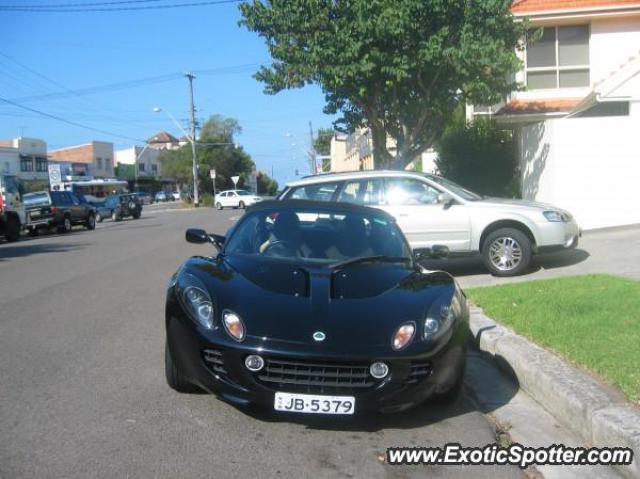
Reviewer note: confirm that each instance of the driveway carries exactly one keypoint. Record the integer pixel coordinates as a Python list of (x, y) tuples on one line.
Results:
[(614, 251)]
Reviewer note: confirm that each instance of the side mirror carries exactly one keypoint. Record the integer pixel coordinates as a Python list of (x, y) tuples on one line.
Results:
[(195, 235), (198, 236), (439, 251)]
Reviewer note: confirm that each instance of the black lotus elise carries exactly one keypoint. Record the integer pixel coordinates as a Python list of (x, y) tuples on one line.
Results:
[(314, 307)]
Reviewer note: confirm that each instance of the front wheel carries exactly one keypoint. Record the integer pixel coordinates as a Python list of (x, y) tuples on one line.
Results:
[(241, 205), (507, 252), (115, 216), (218, 206), (99, 218), (175, 379)]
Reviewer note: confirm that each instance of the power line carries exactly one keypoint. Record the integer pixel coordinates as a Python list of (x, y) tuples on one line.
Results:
[(70, 9), (67, 5), (130, 84), (69, 122)]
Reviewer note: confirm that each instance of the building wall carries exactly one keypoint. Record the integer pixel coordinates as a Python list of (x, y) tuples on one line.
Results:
[(613, 42), (97, 155), (590, 166), (147, 159), (9, 161), (25, 158)]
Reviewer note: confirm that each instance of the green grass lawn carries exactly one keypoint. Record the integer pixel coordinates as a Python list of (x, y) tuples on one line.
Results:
[(594, 321)]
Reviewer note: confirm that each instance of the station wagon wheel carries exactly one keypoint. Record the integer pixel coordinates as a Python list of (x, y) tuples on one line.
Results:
[(218, 206), (507, 252)]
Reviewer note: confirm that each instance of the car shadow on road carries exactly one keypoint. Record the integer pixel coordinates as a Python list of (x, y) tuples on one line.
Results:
[(471, 266), (26, 249)]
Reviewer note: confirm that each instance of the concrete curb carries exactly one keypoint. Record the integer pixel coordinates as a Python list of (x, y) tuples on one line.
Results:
[(600, 416)]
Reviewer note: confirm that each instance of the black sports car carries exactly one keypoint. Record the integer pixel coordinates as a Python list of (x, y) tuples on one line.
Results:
[(315, 308)]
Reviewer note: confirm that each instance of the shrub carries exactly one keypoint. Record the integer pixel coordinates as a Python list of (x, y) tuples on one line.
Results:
[(481, 157), (207, 199)]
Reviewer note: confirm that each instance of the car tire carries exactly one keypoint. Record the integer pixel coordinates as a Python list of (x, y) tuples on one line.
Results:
[(66, 225), (99, 218), (175, 379), (115, 216), (507, 252), (136, 215), (218, 206), (241, 205), (13, 229), (450, 396), (91, 222)]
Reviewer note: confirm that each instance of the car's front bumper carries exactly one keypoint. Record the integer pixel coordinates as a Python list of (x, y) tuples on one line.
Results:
[(215, 362), (557, 236)]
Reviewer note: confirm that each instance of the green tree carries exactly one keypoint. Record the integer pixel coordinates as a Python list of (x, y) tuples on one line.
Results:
[(397, 67), (322, 145), (479, 156), (266, 185), (215, 149)]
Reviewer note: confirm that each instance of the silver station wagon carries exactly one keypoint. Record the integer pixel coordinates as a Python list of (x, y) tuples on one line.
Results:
[(435, 211)]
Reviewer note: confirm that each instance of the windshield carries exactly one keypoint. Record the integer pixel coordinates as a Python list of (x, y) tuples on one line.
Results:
[(455, 188), (320, 236)]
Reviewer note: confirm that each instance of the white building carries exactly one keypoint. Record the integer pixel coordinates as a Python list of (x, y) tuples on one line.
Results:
[(146, 160), (25, 158), (578, 122)]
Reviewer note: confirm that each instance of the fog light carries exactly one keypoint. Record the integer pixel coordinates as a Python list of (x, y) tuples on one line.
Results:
[(379, 370), (254, 363)]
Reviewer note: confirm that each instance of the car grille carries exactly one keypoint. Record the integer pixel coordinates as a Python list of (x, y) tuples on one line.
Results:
[(315, 376), (419, 370), (214, 361)]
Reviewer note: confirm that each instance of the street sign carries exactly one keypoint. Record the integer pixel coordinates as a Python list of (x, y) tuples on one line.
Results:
[(212, 174), (235, 181), (55, 176)]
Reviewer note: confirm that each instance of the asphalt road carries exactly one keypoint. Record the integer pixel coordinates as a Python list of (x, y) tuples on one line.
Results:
[(82, 389)]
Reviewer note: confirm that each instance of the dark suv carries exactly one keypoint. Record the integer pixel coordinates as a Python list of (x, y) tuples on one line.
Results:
[(121, 206), (57, 209)]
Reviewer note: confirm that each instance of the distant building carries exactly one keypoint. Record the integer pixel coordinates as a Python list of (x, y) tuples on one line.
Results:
[(145, 160), (93, 159), (25, 158), (164, 141), (354, 152)]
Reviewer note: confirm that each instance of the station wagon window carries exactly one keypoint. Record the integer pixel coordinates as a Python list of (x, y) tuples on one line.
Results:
[(362, 192), (559, 59), (316, 192), (408, 191)]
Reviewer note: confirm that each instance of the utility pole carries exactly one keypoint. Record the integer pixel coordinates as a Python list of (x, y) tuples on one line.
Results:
[(312, 152), (196, 197)]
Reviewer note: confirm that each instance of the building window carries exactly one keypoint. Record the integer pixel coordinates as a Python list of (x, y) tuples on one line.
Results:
[(26, 164), (141, 167), (154, 168), (107, 164), (559, 59), (613, 108), (41, 165), (99, 163)]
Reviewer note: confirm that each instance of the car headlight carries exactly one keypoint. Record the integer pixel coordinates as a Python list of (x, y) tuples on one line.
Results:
[(403, 336), (441, 316), (195, 299), (233, 325), (554, 216)]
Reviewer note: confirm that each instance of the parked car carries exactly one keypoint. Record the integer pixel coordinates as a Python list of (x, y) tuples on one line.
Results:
[(144, 197), (58, 209), (176, 195), (161, 197), (342, 317), (235, 199), (121, 206), (433, 210)]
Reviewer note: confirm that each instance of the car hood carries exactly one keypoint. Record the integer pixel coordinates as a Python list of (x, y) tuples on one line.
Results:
[(358, 308), (501, 202)]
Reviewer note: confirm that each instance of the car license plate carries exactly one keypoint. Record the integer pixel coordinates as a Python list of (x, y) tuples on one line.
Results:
[(310, 403)]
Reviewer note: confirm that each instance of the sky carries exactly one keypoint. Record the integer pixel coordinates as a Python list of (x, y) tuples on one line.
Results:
[(49, 53)]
